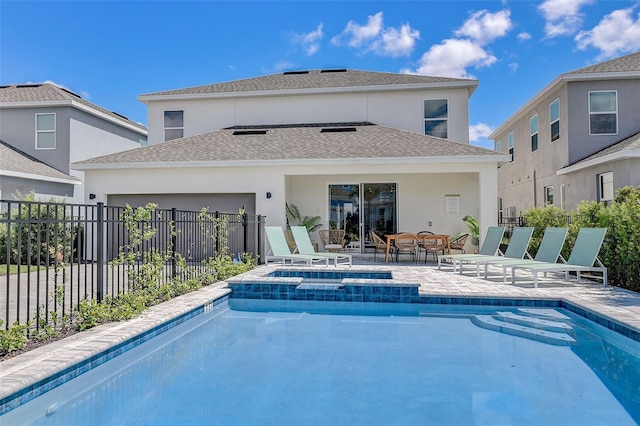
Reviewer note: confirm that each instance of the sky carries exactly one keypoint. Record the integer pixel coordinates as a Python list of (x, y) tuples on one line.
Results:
[(110, 52)]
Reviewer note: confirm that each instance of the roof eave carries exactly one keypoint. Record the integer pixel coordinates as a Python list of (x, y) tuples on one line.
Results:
[(31, 176), (609, 158)]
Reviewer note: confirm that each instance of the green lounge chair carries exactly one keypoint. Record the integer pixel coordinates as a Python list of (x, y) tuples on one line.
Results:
[(548, 252), (301, 236), (489, 247), (583, 258), (281, 252), (517, 249)]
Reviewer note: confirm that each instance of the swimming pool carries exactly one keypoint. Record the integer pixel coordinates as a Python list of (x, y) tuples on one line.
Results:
[(301, 362)]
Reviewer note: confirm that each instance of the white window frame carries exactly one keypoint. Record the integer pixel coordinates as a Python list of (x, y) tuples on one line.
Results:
[(601, 183), (548, 194), (534, 132), (181, 128), (602, 112), (446, 120), (553, 120), (498, 146), (511, 141), (39, 131)]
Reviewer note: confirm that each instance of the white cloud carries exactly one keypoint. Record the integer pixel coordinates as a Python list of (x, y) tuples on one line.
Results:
[(479, 131), (563, 17), (484, 27), (355, 35), (617, 33), (452, 57), (513, 66), (524, 36), (375, 37), (310, 41)]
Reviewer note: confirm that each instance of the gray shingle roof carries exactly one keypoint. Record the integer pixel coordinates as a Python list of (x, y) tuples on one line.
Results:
[(631, 143), (625, 63), (47, 92), (296, 143), (315, 79), (12, 160)]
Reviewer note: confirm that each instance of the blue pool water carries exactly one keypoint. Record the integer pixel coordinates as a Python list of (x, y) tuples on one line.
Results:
[(337, 363)]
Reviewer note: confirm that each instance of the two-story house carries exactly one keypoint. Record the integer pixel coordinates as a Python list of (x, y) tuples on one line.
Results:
[(44, 128), (577, 139), (363, 150)]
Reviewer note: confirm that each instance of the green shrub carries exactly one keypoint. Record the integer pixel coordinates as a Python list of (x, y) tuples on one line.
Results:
[(542, 218), (14, 338)]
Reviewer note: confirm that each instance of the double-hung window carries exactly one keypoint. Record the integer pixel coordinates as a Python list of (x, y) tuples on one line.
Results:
[(533, 127), (603, 112), (46, 131), (605, 186), (554, 119), (173, 125), (436, 116), (510, 143)]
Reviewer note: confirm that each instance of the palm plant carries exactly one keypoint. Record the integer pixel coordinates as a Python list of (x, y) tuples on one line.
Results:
[(474, 229), (312, 223)]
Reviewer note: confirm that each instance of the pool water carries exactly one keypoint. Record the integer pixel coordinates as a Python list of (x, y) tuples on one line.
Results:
[(337, 363)]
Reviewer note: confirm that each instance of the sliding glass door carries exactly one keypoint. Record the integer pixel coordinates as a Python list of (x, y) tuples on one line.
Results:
[(360, 208)]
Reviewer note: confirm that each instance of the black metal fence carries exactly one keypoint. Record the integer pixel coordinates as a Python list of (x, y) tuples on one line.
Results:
[(56, 255)]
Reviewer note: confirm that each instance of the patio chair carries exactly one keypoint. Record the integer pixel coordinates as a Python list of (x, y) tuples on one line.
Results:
[(434, 246), (378, 244), (548, 252), (457, 243), (406, 242), (490, 246), (517, 249), (423, 242), (303, 242), (281, 253), (332, 239), (583, 258)]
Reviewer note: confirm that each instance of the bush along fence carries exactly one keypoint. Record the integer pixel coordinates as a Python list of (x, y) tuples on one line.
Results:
[(72, 264), (620, 251)]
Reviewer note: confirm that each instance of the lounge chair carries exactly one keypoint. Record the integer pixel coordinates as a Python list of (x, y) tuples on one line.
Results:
[(490, 246), (281, 252), (301, 237), (582, 259), (548, 252), (517, 249)]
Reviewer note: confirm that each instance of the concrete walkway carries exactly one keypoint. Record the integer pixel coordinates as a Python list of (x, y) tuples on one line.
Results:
[(616, 304)]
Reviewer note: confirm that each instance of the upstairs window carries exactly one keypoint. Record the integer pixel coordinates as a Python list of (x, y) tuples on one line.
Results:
[(46, 131), (548, 195), (554, 119), (533, 127), (511, 142), (603, 113), (605, 186), (173, 125), (499, 146), (436, 115)]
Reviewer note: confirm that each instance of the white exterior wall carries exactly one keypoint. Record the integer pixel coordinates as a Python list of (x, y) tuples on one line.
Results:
[(398, 109)]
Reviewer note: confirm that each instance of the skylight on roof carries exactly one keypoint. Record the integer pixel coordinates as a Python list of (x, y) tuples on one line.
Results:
[(70, 92), (295, 72), (20, 86), (334, 70), (249, 132), (337, 129)]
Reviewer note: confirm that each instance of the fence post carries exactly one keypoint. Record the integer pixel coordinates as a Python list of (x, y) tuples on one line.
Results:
[(245, 230), (260, 259), (100, 251), (217, 231), (174, 240)]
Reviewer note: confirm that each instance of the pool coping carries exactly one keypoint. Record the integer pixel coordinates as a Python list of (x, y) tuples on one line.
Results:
[(28, 375)]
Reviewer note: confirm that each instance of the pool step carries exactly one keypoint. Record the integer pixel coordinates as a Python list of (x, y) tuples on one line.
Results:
[(489, 322), (319, 286), (534, 322), (543, 312)]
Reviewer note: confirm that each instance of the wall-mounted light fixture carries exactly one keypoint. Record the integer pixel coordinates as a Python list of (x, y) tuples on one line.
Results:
[(268, 195), (92, 196)]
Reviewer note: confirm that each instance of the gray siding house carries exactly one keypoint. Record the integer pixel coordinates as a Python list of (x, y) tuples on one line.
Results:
[(44, 128), (577, 139)]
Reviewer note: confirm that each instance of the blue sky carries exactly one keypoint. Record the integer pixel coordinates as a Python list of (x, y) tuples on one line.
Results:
[(110, 52)]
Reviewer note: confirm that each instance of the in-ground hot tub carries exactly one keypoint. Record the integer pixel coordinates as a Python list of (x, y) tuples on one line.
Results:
[(324, 285)]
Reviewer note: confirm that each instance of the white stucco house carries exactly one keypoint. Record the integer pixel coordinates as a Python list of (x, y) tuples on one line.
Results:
[(363, 150)]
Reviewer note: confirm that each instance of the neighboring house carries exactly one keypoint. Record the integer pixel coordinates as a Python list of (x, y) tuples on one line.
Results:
[(577, 139), (43, 128), (349, 146)]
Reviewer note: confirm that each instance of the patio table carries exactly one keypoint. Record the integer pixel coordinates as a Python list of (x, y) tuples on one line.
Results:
[(392, 237)]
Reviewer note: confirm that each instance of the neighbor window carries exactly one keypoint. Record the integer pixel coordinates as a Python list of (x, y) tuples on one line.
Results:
[(436, 114), (554, 119), (548, 195), (605, 186), (533, 127), (46, 131), (499, 146), (510, 143), (603, 113), (173, 125)]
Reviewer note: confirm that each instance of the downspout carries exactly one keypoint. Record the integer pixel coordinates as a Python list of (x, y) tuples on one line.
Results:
[(535, 192), (562, 196)]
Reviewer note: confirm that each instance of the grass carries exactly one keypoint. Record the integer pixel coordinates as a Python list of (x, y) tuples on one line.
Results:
[(15, 269)]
